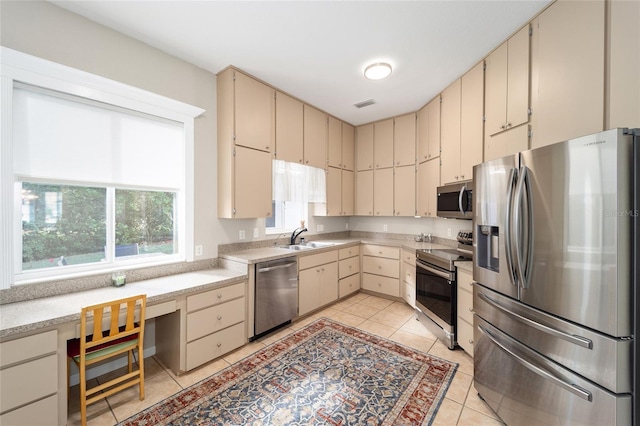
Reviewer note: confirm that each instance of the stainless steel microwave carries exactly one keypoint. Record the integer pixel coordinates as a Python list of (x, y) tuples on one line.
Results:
[(456, 200)]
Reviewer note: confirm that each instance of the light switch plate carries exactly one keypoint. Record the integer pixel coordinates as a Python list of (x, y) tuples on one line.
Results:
[(241, 234), (256, 232)]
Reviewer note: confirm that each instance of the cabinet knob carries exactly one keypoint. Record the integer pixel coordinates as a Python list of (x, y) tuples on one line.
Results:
[(471, 341), (508, 125), (470, 309), (379, 284), (219, 344), (456, 177), (219, 295), (266, 147), (461, 176)]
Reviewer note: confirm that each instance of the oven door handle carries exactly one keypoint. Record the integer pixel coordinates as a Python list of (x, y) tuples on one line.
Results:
[(444, 275)]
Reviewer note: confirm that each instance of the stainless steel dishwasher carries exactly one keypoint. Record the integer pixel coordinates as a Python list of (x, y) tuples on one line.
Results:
[(276, 294)]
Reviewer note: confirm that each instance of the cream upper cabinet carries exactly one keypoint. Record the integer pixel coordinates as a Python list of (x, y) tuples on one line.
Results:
[(404, 191), (471, 120), (428, 131), (348, 147), (334, 144), (450, 133), (364, 147), (383, 192), (507, 84), (289, 112), (253, 104), (427, 187), (624, 65), (364, 193), (404, 140), (334, 191), (348, 193), (383, 143), (315, 137), (244, 171), (567, 67)]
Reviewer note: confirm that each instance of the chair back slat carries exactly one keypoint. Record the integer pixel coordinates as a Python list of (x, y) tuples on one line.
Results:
[(131, 310), (97, 325), (115, 317)]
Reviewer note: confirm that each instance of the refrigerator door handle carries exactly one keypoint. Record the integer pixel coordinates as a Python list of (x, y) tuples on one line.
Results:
[(523, 262), (574, 389), (576, 340), (513, 174)]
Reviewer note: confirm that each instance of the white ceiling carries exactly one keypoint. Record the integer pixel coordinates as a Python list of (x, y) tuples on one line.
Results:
[(317, 50)]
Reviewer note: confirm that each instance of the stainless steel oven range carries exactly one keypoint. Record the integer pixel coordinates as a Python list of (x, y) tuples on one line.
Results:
[(436, 291)]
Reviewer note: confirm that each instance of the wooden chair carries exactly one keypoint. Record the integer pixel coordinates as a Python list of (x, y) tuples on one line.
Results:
[(102, 345)]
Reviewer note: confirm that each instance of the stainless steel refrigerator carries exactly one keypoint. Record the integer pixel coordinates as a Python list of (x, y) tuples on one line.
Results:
[(555, 265)]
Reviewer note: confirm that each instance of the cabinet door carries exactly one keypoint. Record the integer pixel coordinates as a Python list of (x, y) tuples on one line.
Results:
[(518, 78), (334, 145), (506, 143), (348, 195), (288, 129), (383, 192), (404, 140), (428, 182), (450, 136), (334, 191), (404, 192), (348, 146), (624, 51), (254, 113), (429, 130), (567, 65), (315, 137), (252, 189), (383, 143), (309, 290), (329, 283), (364, 193), (471, 120), (364, 147), (496, 90)]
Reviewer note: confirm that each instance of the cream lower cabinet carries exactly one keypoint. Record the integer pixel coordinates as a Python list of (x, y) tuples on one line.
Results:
[(29, 380), (381, 269), (464, 327), (408, 273), (348, 270), (317, 280), (209, 325)]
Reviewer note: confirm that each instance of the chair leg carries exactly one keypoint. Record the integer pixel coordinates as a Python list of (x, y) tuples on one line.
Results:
[(68, 378), (83, 394), (130, 360), (141, 367)]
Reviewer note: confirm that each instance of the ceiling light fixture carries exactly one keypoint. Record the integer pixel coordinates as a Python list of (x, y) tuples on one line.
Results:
[(377, 71)]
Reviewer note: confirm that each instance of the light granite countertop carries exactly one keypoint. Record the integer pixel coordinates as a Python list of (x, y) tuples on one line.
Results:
[(31, 315), (465, 265), (256, 255)]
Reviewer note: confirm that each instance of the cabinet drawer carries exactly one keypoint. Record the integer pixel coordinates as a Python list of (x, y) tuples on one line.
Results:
[(385, 285), (310, 261), (27, 382), (381, 266), (29, 347), (349, 252), (348, 285), (409, 257), (465, 336), (381, 251), (409, 294), (214, 297), (409, 273), (41, 413), (465, 305), (465, 280), (214, 345), (348, 267), (214, 318)]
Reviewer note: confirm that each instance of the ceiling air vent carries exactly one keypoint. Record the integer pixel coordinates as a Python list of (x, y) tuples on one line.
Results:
[(364, 103)]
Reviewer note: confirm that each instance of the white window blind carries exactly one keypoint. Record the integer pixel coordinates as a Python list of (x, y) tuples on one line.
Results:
[(298, 183), (63, 138)]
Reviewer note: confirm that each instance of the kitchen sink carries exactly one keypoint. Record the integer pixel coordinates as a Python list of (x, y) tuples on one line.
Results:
[(297, 247), (319, 244)]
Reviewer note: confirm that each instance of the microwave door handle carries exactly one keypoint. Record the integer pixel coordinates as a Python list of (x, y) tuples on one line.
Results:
[(508, 227), (460, 195)]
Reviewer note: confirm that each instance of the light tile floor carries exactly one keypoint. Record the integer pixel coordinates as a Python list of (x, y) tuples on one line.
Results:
[(376, 315)]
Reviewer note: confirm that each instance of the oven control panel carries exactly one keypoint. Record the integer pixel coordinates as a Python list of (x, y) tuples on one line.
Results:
[(465, 237)]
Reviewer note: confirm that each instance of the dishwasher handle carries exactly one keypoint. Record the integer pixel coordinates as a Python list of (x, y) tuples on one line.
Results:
[(275, 267)]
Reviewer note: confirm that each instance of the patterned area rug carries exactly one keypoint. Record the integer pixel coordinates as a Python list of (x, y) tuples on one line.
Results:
[(326, 373)]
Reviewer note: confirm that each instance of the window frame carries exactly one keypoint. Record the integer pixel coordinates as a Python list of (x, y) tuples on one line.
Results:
[(18, 67)]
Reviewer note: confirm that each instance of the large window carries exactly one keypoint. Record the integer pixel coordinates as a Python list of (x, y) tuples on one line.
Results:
[(100, 174)]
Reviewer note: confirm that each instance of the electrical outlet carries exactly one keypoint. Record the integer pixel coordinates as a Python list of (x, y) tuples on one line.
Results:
[(346, 225), (385, 228), (241, 236), (448, 232), (256, 232), (319, 228), (198, 250)]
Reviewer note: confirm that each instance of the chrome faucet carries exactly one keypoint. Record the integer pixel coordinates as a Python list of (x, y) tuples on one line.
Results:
[(295, 234)]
